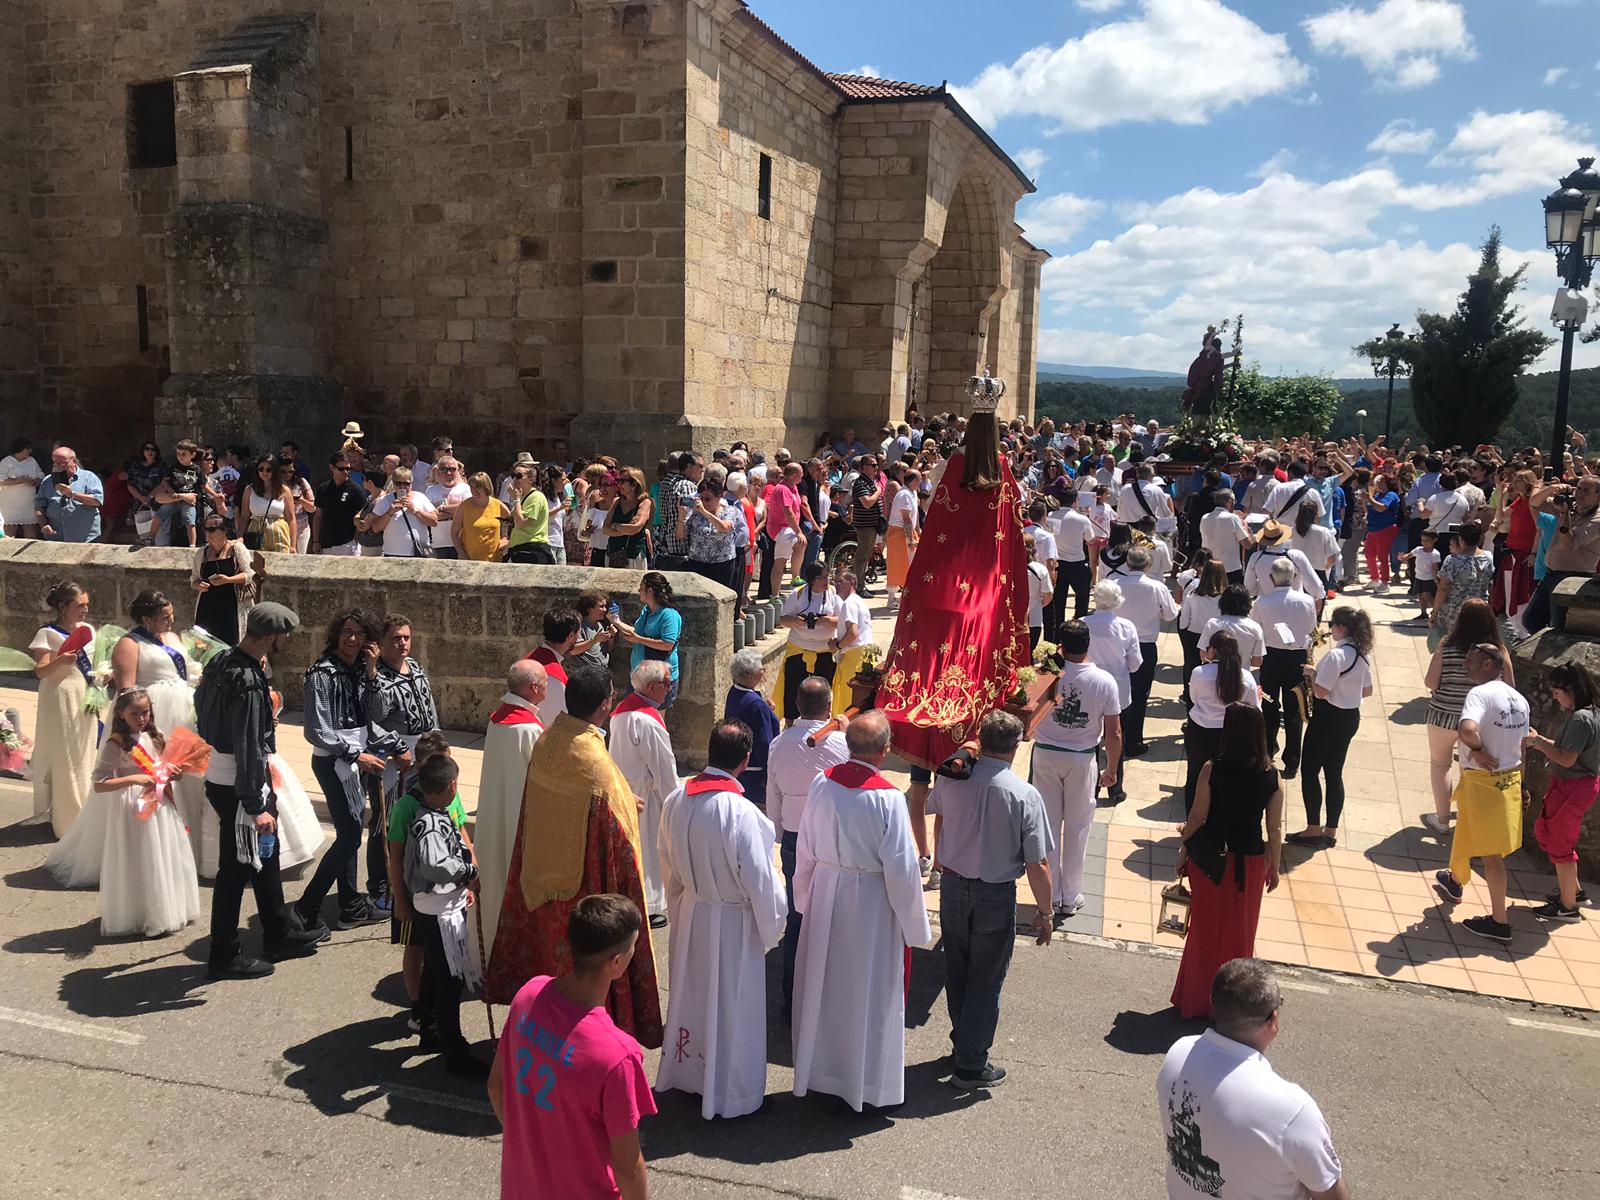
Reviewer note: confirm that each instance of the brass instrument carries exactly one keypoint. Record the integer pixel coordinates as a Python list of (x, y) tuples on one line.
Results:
[(1302, 690)]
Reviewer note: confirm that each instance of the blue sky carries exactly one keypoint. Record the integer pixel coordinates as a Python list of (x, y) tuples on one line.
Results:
[(1325, 168)]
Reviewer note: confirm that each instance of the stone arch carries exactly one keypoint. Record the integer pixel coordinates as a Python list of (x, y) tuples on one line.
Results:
[(963, 291)]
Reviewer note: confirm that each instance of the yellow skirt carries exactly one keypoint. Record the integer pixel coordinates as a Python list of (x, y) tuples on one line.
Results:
[(897, 558), (848, 663), (1488, 818), (274, 534)]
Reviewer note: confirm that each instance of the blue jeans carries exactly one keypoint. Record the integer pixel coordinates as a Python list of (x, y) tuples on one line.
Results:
[(791, 931), (171, 519), (978, 922), (813, 545)]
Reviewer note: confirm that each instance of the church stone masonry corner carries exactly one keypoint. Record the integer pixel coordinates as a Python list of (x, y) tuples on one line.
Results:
[(636, 224)]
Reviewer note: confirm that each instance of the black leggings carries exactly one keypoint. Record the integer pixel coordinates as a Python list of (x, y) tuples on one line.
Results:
[(794, 674), (1199, 747), (1328, 738)]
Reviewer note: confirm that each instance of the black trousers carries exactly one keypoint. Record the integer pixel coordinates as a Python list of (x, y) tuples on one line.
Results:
[(1322, 758), (794, 674), (1073, 576), (766, 549), (1199, 747), (1281, 670), (1142, 679), (537, 553), (439, 996), (1539, 611), (340, 862), (1189, 639), (227, 894)]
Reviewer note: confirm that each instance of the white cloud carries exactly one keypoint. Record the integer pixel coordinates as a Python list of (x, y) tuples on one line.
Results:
[(1032, 160), (1400, 41), (1315, 265), (1052, 220), (1402, 137), (866, 72), (1553, 75), (1177, 60), (1099, 6), (1276, 165)]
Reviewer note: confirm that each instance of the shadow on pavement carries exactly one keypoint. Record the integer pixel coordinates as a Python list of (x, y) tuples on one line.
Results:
[(347, 1068), (72, 943), (35, 879), (1412, 712), (127, 990), (1149, 1033), (26, 833)]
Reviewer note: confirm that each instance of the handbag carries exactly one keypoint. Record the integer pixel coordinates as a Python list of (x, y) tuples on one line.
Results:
[(1209, 851), (418, 549)]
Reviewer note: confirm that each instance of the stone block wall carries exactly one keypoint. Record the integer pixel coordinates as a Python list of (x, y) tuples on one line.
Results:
[(757, 289), (18, 382), (470, 620)]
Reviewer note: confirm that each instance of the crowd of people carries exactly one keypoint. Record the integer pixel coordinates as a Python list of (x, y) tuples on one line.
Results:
[(791, 836)]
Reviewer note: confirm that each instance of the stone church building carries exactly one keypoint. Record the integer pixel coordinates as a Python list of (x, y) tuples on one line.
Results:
[(636, 224)]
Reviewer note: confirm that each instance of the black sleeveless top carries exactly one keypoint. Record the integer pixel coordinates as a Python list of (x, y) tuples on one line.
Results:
[(1238, 805)]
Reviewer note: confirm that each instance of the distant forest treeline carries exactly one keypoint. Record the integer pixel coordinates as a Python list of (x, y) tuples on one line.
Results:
[(1528, 425)]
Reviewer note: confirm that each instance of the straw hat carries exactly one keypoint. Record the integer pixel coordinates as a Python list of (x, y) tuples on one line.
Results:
[(524, 459), (1273, 532), (352, 429)]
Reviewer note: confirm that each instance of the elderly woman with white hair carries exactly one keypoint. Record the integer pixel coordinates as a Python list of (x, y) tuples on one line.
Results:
[(1114, 648), (744, 536), (746, 702), (639, 745)]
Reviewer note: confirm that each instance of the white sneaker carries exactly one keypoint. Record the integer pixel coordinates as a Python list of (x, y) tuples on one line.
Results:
[(933, 877), (1432, 821), (924, 865), (1070, 908)]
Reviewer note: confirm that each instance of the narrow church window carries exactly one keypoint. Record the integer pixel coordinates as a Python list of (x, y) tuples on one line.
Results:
[(349, 153), (152, 125), (142, 298), (764, 189)]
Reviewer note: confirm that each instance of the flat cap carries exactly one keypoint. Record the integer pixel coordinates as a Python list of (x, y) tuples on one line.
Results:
[(270, 620)]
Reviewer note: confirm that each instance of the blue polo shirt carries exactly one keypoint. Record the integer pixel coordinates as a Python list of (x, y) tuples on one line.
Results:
[(73, 520)]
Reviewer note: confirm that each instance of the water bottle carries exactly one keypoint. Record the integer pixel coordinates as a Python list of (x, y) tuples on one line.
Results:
[(266, 846)]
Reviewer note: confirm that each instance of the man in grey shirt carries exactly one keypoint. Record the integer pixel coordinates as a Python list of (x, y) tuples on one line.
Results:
[(994, 830)]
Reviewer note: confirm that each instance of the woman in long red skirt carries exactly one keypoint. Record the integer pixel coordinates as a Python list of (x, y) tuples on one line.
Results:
[(1236, 790)]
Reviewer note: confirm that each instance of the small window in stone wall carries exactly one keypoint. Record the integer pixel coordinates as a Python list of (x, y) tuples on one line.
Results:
[(603, 271), (764, 189), (142, 299), (152, 125), (349, 153)]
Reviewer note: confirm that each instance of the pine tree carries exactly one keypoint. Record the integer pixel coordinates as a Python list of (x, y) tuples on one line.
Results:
[(1465, 364)]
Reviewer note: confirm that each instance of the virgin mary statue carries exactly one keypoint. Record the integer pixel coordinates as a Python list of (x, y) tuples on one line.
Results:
[(962, 633)]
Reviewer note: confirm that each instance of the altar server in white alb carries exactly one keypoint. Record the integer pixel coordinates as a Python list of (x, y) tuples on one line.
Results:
[(514, 727), (641, 748), (856, 881), (727, 910)]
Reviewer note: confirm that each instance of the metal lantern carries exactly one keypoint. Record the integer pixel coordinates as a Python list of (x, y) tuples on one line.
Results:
[(1564, 211), (1586, 180)]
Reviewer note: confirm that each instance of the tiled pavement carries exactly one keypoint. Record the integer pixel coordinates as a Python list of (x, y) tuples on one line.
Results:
[(1364, 908)]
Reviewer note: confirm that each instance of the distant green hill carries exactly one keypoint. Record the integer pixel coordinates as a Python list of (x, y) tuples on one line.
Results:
[(1529, 424)]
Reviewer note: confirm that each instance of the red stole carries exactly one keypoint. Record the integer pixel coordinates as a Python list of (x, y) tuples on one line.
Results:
[(514, 714), (701, 784), (856, 776), (551, 662), (633, 702)]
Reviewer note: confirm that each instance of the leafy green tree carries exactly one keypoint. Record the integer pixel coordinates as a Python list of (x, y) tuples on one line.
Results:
[(1290, 404), (1465, 364)]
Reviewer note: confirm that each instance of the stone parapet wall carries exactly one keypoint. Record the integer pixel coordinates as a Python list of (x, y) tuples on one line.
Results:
[(1577, 642), (470, 621)]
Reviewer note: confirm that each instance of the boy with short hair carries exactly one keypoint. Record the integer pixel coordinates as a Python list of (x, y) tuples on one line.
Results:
[(1424, 562), (439, 876), (568, 1086), (401, 815)]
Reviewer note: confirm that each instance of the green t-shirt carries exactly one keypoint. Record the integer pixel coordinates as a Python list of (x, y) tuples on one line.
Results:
[(536, 511), (405, 811)]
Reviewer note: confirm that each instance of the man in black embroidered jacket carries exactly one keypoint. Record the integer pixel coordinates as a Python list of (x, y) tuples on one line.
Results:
[(233, 705)]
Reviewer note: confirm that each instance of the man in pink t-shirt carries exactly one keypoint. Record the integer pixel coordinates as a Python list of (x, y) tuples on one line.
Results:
[(783, 525), (568, 1086)]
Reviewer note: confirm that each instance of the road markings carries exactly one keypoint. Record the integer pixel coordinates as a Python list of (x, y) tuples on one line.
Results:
[(77, 1028), (1294, 985), (915, 1193), (480, 1108), (1551, 1027)]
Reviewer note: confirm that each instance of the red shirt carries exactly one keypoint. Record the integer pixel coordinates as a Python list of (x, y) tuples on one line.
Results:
[(781, 499), (572, 1081)]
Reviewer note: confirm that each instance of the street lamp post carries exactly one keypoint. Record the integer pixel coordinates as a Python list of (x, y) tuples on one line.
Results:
[(1361, 423), (1572, 230), (1391, 364)]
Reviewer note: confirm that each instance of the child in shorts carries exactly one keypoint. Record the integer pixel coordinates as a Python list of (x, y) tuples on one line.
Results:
[(1425, 571)]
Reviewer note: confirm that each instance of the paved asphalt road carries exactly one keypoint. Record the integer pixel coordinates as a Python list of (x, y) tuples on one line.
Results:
[(125, 1073)]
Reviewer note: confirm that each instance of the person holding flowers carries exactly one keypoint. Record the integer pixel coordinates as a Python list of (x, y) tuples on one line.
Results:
[(67, 729)]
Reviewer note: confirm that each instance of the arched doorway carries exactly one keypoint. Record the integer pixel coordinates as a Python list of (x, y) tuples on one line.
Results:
[(963, 291)]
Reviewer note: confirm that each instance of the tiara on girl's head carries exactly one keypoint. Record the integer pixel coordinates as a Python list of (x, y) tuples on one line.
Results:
[(985, 391)]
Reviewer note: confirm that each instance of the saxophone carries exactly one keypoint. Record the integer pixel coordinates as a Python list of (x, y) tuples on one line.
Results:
[(1320, 637)]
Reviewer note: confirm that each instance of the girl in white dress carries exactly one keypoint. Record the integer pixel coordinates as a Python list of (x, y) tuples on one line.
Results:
[(147, 877), (151, 657), (64, 741)]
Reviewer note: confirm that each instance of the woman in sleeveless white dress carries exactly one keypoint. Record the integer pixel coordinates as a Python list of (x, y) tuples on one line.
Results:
[(300, 834), (147, 877), (65, 735)]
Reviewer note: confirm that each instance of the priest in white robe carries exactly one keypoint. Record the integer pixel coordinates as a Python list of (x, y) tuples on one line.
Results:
[(726, 902), (513, 729), (641, 748), (857, 884)]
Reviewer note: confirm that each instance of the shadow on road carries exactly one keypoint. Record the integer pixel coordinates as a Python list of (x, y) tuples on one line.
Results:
[(26, 833), (72, 943), (349, 1067), (133, 989), (1149, 1033)]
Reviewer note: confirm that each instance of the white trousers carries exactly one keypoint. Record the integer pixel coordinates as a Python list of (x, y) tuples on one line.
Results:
[(1066, 783)]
